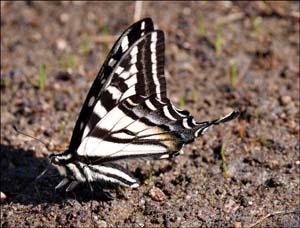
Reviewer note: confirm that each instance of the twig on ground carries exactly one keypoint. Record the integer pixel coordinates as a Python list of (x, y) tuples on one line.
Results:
[(231, 18), (269, 215), (105, 39)]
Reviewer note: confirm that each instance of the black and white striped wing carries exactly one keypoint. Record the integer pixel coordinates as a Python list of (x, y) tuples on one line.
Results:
[(138, 127), (135, 65), (139, 71), (93, 108), (141, 127)]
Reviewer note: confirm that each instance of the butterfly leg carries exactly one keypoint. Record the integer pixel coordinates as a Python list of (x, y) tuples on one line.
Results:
[(62, 183), (88, 180), (72, 186), (106, 196), (90, 185), (91, 205)]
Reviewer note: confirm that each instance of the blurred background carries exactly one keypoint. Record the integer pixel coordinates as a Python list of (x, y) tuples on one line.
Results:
[(219, 56)]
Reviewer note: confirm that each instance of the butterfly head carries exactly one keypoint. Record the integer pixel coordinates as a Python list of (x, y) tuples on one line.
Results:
[(57, 160), (60, 161)]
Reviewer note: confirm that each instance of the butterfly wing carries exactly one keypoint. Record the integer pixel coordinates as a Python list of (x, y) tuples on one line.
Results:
[(138, 127), (125, 72), (141, 127), (85, 117), (132, 75)]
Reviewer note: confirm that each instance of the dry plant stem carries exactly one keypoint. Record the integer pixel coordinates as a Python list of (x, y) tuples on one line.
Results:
[(137, 10), (231, 18), (269, 215), (105, 39)]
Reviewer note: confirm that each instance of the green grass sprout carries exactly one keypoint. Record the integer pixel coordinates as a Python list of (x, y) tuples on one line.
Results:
[(85, 46), (68, 61), (201, 27), (62, 126), (266, 2), (224, 165), (257, 23), (218, 40), (149, 179), (42, 76), (255, 114), (233, 73), (105, 32), (4, 83), (181, 102), (195, 96)]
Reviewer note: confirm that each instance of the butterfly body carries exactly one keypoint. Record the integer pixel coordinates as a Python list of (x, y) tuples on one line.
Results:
[(127, 114)]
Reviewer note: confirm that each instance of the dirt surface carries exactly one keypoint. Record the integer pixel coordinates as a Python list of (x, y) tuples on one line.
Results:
[(219, 56)]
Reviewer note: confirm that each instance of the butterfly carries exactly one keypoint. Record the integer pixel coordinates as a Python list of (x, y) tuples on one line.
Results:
[(127, 115)]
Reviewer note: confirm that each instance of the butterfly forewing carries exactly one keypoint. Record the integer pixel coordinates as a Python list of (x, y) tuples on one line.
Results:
[(86, 117), (133, 75)]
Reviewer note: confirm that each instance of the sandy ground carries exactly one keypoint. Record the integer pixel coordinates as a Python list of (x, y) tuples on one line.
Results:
[(219, 56)]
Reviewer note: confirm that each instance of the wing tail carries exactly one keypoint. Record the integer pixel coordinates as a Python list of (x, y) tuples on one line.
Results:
[(205, 125)]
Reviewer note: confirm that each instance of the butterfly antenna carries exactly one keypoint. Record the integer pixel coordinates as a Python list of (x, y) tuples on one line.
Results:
[(30, 136), (39, 140), (48, 167)]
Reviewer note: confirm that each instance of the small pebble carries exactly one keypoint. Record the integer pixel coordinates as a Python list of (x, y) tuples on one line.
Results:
[(187, 10), (102, 223), (61, 44), (237, 225), (156, 194), (36, 36), (285, 100), (64, 17), (188, 197)]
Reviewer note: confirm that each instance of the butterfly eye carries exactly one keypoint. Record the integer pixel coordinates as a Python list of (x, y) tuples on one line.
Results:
[(53, 159)]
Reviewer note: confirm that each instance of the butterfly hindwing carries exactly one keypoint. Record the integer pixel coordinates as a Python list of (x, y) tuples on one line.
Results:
[(138, 127)]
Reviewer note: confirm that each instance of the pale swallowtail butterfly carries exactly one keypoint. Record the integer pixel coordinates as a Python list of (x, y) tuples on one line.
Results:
[(127, 115)]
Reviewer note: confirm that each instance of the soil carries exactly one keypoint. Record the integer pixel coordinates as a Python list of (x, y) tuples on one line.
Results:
[(219, 56)]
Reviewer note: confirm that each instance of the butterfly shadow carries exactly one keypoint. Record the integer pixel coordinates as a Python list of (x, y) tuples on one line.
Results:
[(19, 169)]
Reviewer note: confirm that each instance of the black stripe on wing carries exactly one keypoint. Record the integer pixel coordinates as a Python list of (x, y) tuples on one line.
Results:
[(130, 36)]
